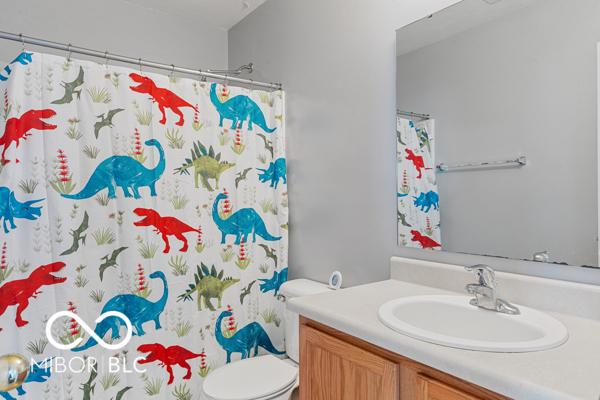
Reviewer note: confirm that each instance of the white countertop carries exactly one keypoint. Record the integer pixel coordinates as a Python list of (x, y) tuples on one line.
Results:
[(571, 371)]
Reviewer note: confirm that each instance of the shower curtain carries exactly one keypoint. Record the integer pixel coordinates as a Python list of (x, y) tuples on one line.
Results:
[(159, 197), (418, 197)]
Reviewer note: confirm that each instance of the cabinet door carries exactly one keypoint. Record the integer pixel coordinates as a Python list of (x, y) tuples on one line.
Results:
[(331, 369), (432, 389)]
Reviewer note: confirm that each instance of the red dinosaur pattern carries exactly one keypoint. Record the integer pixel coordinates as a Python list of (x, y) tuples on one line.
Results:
[(169, 356), (18, 292), (417, 162), (165, 226), (161, 96), (425, 241), (69, 138), (18, 128)]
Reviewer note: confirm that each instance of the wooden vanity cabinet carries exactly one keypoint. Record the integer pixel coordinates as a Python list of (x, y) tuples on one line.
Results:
[(337, 366)]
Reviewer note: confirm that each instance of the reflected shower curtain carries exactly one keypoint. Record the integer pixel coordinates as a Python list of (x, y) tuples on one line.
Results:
[(418, 198), (155, 196)]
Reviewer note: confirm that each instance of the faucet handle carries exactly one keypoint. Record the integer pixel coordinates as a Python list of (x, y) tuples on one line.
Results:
[(485, 274)]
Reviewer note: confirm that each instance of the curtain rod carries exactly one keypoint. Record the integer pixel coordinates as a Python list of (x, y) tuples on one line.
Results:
[(413, 114), (130, 60)]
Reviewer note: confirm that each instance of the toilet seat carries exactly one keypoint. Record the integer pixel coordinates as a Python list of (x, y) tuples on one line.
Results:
[(259, 378)]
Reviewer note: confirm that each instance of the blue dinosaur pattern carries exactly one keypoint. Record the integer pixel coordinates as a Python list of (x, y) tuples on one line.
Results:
[(246, 341), (239, 109), (122, 165), (124, 172), (11, 208), (427, 200), (277, 171), (136, 308), (38, 372), (24, 58), (241, 224), (275, 282)]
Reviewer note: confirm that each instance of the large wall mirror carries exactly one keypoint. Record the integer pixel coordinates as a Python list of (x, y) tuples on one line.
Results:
[(497, 130)]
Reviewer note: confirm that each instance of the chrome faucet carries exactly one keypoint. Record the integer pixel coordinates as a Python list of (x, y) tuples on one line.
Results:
[(485, 291)]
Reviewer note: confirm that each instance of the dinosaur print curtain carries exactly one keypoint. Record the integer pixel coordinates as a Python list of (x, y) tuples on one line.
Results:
[(418, 199), (155, 196)]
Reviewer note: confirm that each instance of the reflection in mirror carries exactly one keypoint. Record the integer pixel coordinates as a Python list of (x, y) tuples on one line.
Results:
[(497, 130)]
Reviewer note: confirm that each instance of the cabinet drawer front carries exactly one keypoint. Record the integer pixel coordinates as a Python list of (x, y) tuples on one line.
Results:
[(331, 369), (432, 389)]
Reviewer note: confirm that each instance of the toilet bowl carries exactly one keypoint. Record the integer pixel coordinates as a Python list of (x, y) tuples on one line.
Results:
[(260, 378), (265, 377)]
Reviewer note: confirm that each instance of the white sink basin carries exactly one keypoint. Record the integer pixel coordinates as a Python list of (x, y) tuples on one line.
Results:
[(452, 321)]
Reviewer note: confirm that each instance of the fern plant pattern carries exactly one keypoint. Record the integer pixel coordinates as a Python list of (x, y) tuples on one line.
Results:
[(106, 168)]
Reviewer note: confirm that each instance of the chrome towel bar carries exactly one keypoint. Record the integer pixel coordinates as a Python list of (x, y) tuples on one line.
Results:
[(516, 163)]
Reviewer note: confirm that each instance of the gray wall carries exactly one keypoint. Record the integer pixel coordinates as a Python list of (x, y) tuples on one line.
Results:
[(524, 84), (117, 26), (337, 61)]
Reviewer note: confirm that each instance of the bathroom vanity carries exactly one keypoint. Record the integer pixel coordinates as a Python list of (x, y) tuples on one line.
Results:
[(347, 352), (479, 86), (335, 365)]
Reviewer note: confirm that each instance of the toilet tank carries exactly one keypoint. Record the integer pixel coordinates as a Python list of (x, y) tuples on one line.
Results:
[(291, 289)]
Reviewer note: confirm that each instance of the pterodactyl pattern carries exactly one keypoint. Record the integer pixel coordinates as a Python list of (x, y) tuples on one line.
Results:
[(71, 89), (270, 253), (78, 235), (268, 144), (110, 261), (105, 120), (246, 291), (241, 176)]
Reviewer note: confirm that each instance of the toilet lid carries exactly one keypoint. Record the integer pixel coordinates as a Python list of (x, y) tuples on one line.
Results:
[(250, 379)]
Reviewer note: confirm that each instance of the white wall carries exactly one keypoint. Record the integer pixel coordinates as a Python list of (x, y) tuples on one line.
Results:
[(501, 90), (338, 64), (337, 61), (116, 26)]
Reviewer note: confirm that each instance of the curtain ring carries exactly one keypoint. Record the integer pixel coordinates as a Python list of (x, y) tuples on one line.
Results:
[(172, 70), (202, 77), (140, 63), (106, 58), (22, 42), (69, 52)]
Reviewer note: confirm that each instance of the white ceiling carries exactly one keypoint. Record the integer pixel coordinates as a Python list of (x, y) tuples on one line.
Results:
[(222, 14)]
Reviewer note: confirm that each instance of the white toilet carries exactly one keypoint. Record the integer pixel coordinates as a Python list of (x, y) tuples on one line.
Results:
[(265, 377)]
